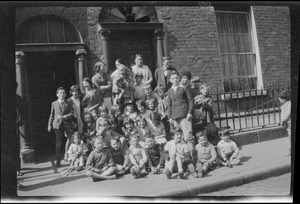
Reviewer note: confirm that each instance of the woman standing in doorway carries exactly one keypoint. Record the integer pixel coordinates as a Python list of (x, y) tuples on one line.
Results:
[(140, 68), (92, 98), (102, 81)]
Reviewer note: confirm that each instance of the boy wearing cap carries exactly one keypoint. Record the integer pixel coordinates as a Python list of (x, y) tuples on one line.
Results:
[(138, 92), (185, 78)]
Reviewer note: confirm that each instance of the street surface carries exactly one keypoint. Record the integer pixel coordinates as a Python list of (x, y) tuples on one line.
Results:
[(273, 186)]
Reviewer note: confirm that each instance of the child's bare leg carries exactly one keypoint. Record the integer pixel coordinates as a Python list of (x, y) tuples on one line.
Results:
[(191, 168), (221, 162), (179, 164), (109, 171), (199, 169), (95, 175), (66, 149), (235, 161)]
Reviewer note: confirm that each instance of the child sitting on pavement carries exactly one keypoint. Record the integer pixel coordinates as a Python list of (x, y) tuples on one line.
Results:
[(178, 156), (100, 164), (157, 128), (116, 118), (206, 154), (128, 130), (143, 130), (120, 157), (137, 156), (227, 150), (154, 152), (89, 130)]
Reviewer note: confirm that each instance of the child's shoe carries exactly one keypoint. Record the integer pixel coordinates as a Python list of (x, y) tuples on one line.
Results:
[(57, 162), (133, 172), (168, 173), (200, 174), (195, 174), (112, 176), (80, 168), (180, 174), (229, 165)]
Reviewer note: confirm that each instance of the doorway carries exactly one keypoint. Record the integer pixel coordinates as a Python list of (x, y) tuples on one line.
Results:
[(46, 71), (125, 44)]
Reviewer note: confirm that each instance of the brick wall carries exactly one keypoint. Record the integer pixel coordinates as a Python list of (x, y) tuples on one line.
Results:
[(273, 32), (193, 41)]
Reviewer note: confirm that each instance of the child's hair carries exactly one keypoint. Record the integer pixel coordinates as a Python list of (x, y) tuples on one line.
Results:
[(153, 100), (98, 65), (101, 108), (149, 136), (88, 80), (120, 61), (114, 108), (75, 88), (60, 88), (285, 94), (141, 103), (139, 118), (178, 130), (164, 58), (115, 138), (205, 86), (201, 133), (174, 73), (128, 120), (195, 79), (138, 75), (159, 88), (138, 55), (147, 86), (223, 131), (134, 136), (75, 134), (154, 116), (186, 73), (98, 137)]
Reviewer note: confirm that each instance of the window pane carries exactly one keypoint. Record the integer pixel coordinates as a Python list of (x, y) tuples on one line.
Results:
[(235, 43), (232, 22), (55, 27), (71, 33), (23, 35), (39, 30), (238, 65)]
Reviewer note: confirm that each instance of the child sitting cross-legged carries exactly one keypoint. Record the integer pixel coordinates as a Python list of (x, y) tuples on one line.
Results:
[(120, 157), (227, 150), (137, 156), (100, 164), (206, 154), (154, 152), (143, 130), (179, 156)]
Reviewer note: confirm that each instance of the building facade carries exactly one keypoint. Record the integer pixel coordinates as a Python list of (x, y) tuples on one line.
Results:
[(240, 48)]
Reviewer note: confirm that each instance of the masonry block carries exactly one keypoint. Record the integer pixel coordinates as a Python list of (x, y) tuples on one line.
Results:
[(271, 133), (245, 138)]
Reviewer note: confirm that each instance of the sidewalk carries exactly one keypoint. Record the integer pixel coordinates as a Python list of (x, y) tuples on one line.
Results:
[(259, 160)]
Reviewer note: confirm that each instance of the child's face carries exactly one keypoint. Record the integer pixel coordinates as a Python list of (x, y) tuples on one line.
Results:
[(129, 108), (94, 115), (138, 80), (141, 108), (75, 94), (135, 141), (148, 91), (184, 80), (178, 136), (161, 93), (155, 122), (61, 94), (104, 125), (103, 114), (150, 142), (117, 113), (77, 140), (99, 144), (142, 123), (195, 84), (202, 140), (151, 105), (115, 144), (86, 84), (103, 68), (225, 137), (87, 118), (174, 79), (204, 91), (120, 84), (129, 126)]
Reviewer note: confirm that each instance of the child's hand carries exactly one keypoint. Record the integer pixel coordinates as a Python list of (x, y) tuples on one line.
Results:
[(59, 117), (49, 128), (97, 170), (228, 164), (153, 169)]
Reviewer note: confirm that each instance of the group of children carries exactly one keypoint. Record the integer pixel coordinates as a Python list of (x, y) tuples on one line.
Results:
[(136, 135)]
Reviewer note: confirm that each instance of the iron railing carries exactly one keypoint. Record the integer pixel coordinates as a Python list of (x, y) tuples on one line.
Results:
[(249, 109)]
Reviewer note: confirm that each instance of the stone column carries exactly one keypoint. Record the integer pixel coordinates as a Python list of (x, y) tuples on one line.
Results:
[(81, 54), (159, 42), (104, 36), (26, 153)]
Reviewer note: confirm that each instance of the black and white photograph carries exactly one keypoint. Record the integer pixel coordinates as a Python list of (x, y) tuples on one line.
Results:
[(149, 101)]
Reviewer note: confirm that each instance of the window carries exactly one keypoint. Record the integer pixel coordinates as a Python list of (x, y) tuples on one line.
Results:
[(237, 50), (47, 29)]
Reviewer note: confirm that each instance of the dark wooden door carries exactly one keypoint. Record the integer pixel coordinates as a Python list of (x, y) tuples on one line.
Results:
[(46, 71), (126, 44)]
